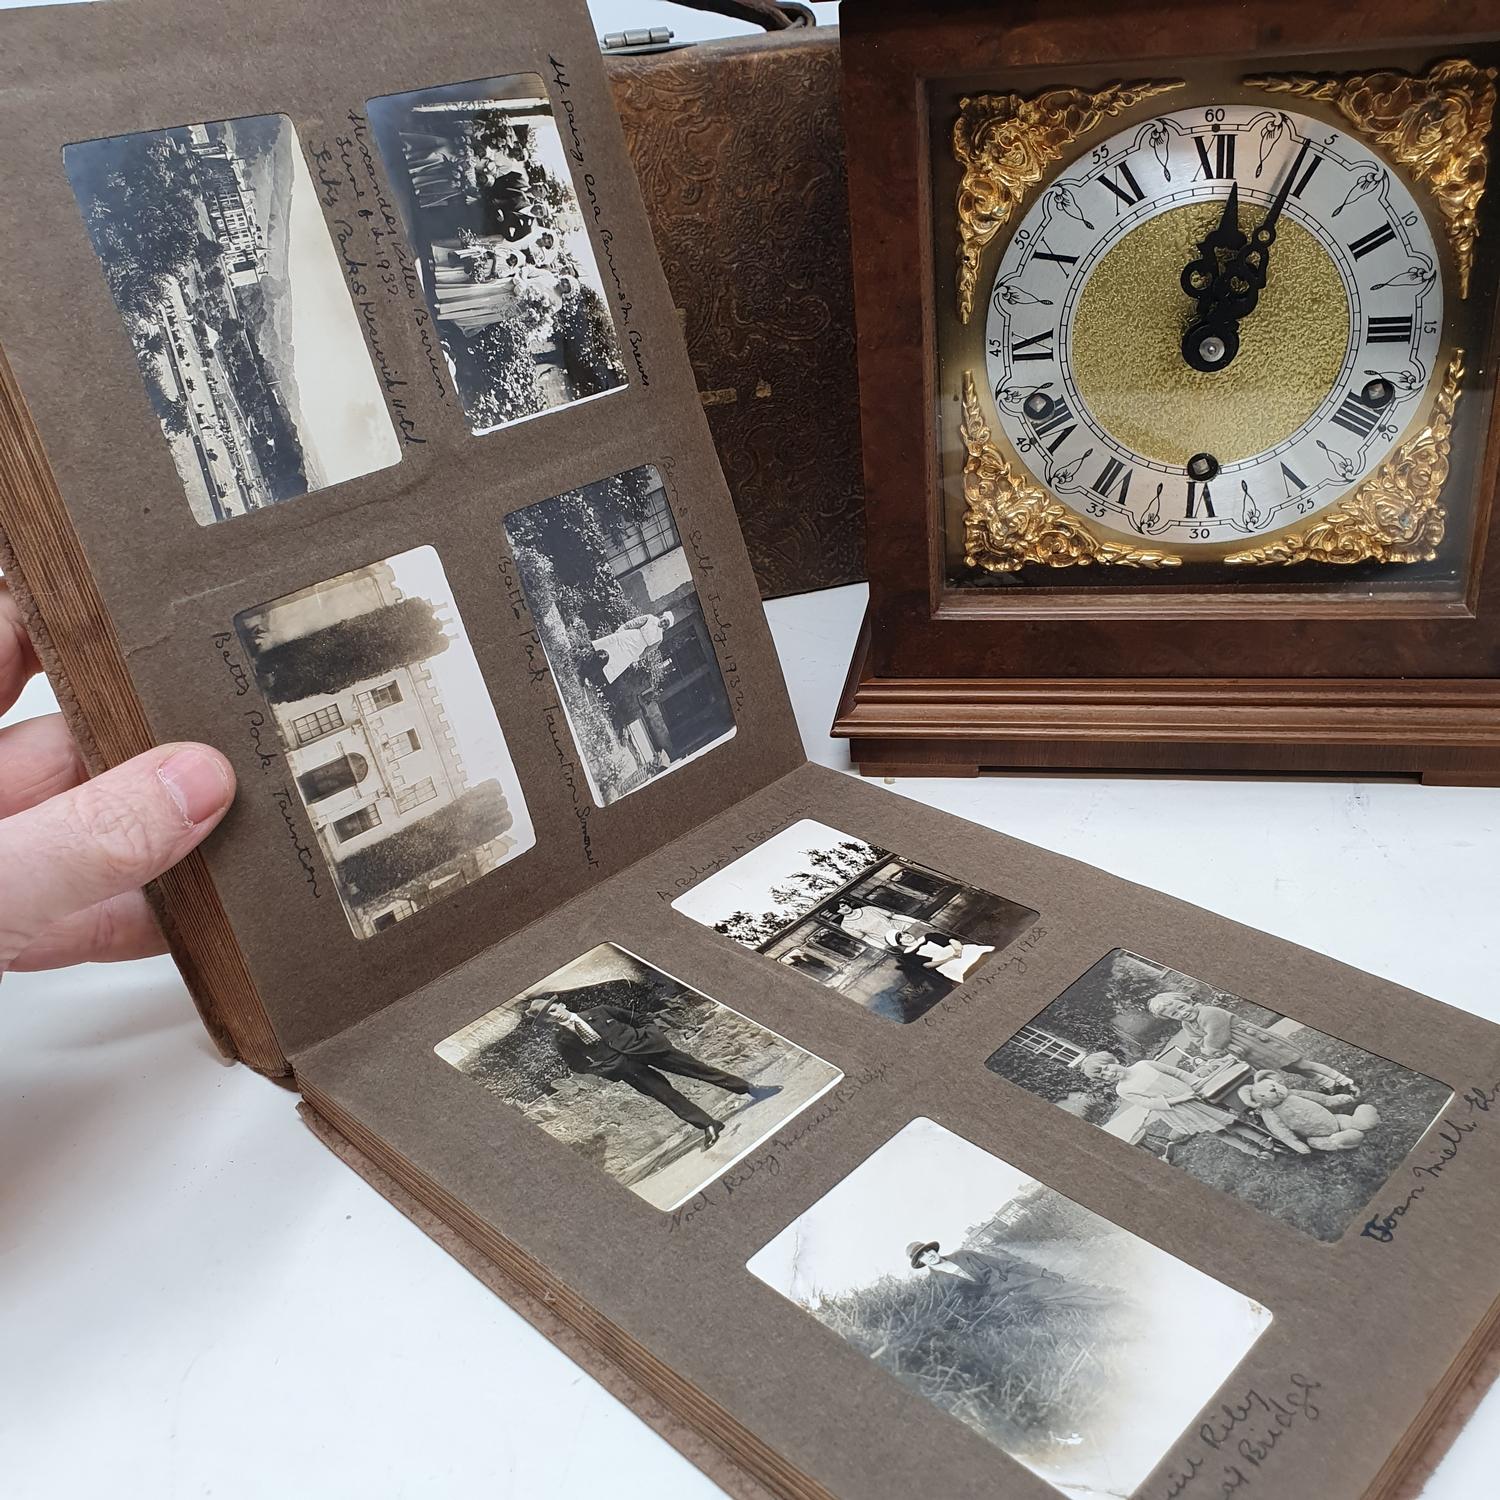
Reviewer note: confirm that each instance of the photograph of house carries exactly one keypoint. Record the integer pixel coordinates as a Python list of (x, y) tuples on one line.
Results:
[(886, 932), (216, 252), (390, 736)]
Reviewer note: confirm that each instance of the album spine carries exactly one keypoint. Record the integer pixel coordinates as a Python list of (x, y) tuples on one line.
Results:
[(65, 616)]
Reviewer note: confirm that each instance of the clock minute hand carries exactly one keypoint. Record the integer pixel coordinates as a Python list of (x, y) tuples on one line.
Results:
[(1252, 264)]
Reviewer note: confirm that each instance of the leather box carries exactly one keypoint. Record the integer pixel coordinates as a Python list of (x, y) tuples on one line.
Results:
[(739, 148)]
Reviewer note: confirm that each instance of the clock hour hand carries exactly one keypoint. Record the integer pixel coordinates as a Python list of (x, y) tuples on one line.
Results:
[(1212, 339)]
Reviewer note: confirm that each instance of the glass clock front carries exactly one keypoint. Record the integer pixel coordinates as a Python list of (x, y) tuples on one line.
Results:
[(1215, 341)]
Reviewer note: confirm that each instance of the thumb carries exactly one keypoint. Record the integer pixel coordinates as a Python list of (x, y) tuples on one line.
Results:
[(105, 837)]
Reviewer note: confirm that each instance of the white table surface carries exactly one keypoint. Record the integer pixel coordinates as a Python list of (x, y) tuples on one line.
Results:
[(198, 1299)]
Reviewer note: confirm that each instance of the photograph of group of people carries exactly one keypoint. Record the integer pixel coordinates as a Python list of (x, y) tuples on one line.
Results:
[(1297, 1123), (506, 264), (886, 932)]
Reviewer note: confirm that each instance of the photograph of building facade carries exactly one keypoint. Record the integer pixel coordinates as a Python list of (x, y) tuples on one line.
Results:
[(886, 932), (215, 250), (389, 736), (609, 586), (1297, 1123)]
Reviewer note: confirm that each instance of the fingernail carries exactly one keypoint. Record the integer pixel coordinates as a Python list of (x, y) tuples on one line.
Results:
[(196, 782)]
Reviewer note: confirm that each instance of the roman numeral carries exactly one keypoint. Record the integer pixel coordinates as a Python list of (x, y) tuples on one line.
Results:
[(1113, 473), (1222, 164), (1372, 241), (1062, 262), (1355, 416), (1293, 481), (1196, 493), (1306, 177), (1127, 190), (1059, 417), (1388, 331), (1023, 348)]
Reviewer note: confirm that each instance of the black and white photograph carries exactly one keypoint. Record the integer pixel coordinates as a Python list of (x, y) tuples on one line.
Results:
[(611, 592), (659, 1086), (883, 931), (510, 277), (390, 738), (218, 257), (1295, 1123), (1072, 1345)]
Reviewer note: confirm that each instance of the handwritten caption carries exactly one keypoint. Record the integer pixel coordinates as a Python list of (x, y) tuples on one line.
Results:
[(768, 1162), (265, 747), (1454, 1136), (1236, 1441), (377, 263), (574, 148), (553, 715)]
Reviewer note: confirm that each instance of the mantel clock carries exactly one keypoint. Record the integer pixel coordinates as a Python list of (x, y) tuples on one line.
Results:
[(1176, 367)]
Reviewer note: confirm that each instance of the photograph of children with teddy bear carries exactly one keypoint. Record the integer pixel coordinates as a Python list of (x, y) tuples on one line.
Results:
[(1294, 1122)]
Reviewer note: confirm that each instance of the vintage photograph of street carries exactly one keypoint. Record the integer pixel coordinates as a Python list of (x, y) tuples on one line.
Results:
[(1078, 1349), (884, 931), (390, 738), (609, 587), (218, 257), (1295, 1123), (500, 244), (653, 1082)]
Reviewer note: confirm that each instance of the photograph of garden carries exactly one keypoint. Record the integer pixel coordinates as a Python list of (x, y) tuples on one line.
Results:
[(216, 253), (500, 244), (611, 593)]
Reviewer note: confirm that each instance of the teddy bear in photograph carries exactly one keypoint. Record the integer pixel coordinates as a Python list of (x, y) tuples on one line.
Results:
[(1305, 1121)]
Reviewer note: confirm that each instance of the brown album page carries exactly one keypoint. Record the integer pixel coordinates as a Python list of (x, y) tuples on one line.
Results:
[(1266, 1321), (350, 429)]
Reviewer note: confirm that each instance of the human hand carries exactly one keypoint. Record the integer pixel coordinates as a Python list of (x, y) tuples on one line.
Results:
[(74, 852)]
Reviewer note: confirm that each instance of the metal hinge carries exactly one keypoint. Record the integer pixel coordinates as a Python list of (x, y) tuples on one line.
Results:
[(652, 39)]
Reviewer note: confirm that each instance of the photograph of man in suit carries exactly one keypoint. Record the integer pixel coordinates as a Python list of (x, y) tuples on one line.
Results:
[(609, 1041)]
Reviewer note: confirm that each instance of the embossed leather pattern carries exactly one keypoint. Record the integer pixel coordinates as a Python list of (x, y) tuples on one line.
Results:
[(740, 151)]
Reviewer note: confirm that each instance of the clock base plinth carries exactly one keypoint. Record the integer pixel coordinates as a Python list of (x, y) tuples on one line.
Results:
[(1444, 732)]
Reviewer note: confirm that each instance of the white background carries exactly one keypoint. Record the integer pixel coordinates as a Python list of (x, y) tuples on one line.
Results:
[(197, 1299)]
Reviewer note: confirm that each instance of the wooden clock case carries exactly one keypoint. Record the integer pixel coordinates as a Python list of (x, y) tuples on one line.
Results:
[(1133, 676)]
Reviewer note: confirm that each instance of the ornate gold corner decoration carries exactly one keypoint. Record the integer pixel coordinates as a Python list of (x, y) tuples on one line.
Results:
[(1396, 515), (1004, 143), (1009, 521), (1435, 124)]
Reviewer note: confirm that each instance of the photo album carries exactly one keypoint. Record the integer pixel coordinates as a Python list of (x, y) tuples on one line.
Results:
[(346, 424)]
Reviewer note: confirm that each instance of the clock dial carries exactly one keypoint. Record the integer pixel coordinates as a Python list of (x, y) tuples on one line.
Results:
[(1166, 371)]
